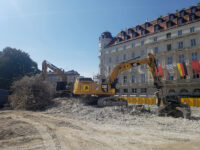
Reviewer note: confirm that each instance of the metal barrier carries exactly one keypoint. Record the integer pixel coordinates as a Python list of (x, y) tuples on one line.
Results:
[(152, 101)]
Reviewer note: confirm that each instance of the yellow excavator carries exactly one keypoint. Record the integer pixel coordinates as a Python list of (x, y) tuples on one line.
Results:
[(104, 92), (63, 88)]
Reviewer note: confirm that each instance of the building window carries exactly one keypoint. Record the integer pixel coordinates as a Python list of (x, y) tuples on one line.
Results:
[(125, 79), (180, 45), (181, 58), (142, 43), (133, 45), (157, 62), (134, 34), (191, 29), (124, 57), (125, 90), (169, 47), (169, 24), (194, 56), (125, 37), (192, 17), (170, 76), (117, 49), (193, 42), (133, 55), (155, 50), (193, 10), (155, 39), (134, 90), (138, 28), (144, 32), (170, 60), (156, 28), (110, 60), (133, 79), (130, 31), (142, 53), (118, 40), (171, 17), (168, 35), (142, 78), (122, 33), (147, 24), (117, 58), (182, 13), (180, 20), (143, 90), (179, 32), (159, 21), (109, 69)]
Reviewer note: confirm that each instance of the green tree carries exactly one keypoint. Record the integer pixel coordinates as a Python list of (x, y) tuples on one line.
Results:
[(14, 64)]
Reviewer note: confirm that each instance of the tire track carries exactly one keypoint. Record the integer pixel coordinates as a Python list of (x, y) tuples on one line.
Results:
[(50, 139)]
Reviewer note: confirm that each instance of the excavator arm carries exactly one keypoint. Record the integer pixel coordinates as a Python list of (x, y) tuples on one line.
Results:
[(150, 61), (58, 71)]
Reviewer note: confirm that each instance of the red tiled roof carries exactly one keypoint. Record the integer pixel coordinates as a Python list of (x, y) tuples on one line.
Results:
[(163, 25)]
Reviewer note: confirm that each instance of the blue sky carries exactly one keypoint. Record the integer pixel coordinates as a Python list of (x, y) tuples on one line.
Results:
[(66, 32)]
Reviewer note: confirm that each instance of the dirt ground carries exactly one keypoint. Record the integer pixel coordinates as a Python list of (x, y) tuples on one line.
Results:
[(72, 125)]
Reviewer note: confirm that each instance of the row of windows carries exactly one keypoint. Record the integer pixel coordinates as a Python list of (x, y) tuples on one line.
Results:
[(134, 90), (180, 45), (155, 39), (134, 80), (170, 60), (157, 27), (181, 58)]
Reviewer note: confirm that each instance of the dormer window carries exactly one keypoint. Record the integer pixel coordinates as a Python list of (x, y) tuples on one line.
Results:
[(118, 39), (171, 17), (134, 34), (130, 31), (156, 28), (138, 28), (169, 24), (182, 13), (123, 33), (143, 32), (160, 20), (126, 37), (180, 21), (192, 17), (147, 24), (193, 10)]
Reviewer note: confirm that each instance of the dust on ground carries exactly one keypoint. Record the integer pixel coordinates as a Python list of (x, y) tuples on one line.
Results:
[(71, 124)]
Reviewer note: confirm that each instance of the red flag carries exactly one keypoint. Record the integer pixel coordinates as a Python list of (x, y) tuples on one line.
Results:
[(159, 72), (196, 66)]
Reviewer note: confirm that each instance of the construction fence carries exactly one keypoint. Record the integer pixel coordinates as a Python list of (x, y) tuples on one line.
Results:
[(152, 100)]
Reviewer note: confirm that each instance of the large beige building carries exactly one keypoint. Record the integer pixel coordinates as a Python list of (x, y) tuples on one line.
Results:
[(172, 39)]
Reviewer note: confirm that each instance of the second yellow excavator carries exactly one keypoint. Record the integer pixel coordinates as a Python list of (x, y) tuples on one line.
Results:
[(104, 92), (63, 88)]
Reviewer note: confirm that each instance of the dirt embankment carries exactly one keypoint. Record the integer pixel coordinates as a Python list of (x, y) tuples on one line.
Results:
[(72, 125)]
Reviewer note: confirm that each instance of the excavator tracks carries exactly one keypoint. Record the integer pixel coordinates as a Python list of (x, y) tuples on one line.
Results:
[(111, 101)]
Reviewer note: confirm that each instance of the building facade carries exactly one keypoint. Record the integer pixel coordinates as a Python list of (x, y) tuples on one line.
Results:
[(172, 39), (53, 78)]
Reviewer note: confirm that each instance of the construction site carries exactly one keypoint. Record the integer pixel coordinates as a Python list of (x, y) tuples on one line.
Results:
[(141, 99)]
